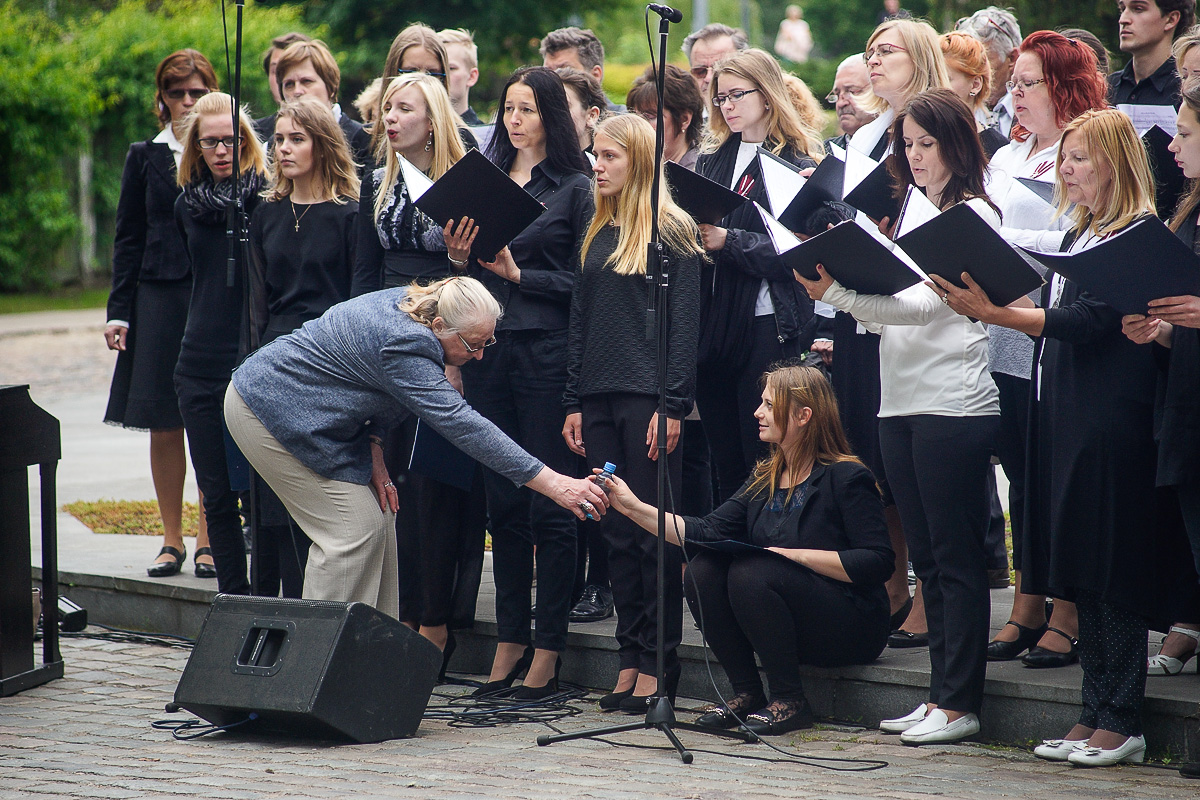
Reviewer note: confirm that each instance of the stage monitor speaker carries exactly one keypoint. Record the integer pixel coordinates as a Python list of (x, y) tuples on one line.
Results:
[(309, 668)]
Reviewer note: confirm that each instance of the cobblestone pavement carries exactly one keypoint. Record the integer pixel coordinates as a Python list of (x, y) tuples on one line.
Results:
[(88, 735)]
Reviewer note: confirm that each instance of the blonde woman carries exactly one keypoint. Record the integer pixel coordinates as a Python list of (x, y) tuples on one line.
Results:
[(211, 339), (904, 58), (352, 372), (1187, 54), (396, 245), (415, 49), (612, 384), (752, 313), (1105, 556)]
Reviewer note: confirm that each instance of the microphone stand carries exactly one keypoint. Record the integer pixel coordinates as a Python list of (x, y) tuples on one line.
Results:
[(660, 715), (236, 231)]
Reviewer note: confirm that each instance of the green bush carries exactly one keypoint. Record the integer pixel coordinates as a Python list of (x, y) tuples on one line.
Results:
[(88, 81)]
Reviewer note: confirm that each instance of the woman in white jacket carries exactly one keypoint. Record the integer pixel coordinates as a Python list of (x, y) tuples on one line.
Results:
[(939, 413)]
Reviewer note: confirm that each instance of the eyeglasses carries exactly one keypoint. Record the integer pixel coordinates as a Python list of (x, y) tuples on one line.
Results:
[(849, 91), (699, 73), (733, 97), (178, 94), (413, 71), (883, 50), (210, 143), (1024, 85), (491, 341)]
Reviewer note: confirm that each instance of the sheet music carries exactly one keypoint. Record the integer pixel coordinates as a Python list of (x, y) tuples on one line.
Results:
[(415, 181), (1146, 117), (782, 239), (781, 182)]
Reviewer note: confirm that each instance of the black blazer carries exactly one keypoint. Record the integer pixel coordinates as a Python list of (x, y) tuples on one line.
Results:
[(842, 511), (147, 246), (1177, 404)]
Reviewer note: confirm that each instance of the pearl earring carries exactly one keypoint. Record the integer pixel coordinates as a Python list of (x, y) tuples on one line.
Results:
[(429, 142)]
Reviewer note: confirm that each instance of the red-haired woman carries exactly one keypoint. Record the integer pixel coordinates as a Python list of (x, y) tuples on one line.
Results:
[(1053, 81), (147, 306)]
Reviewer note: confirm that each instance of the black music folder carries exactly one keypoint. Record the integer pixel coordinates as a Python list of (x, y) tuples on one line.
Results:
[(1169, 180), (873, 195), (793, 198), (704, 200), (959, 240), (434, 457), (477, 188), (854, 258), (1142, 263), (1042, 189)]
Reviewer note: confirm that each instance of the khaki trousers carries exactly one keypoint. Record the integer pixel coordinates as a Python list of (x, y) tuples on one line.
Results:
[(353, 553)]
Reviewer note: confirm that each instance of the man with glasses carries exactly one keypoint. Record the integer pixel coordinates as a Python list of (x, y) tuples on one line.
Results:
[(850, 80), (308, 68), (1000, 34), (1147, 28), (705, 47)]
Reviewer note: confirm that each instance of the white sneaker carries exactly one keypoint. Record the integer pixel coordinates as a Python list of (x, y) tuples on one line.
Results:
[(1133, 751), (901, 724), (1057, 749), (937, 728)]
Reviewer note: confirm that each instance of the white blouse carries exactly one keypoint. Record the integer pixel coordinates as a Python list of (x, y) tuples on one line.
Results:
[(931, 359)]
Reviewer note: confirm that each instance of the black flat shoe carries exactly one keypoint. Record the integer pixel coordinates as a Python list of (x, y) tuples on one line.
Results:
[(781, 716), (204, 570), (901, 639), (595, 604), (726, 716), (165, 569), (612, 700), (1190, 769), (901, 615), (1008, 651), (491, 687), (1041, 658)]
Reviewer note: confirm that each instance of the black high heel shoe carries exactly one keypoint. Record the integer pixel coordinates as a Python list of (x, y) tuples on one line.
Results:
[(518, 669), (540, 692), (640, 704), (1007, 651), (612, 701)]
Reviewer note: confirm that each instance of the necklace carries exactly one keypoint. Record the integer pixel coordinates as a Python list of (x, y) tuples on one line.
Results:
[(306, 210)]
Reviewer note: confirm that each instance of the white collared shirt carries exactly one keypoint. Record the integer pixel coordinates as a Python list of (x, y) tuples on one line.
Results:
[(167, 136)]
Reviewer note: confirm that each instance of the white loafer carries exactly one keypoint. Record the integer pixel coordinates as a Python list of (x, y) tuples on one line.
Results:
[(1133, 752), (1058, 749), (901, 724), (937, 728)]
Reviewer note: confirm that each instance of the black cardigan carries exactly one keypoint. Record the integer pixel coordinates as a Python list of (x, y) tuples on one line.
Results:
[(842, 511), (730, 282), (147, 246)]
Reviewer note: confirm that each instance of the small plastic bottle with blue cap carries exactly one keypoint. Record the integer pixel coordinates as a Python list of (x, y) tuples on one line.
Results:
[(601, 479)]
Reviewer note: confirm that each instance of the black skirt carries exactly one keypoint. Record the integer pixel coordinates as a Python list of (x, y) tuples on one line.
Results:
[(142, 394)]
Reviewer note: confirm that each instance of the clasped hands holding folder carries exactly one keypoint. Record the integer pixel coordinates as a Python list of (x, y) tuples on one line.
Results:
[(459, 239)]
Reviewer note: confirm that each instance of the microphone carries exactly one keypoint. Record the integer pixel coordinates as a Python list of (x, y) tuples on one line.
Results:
[(666, 12)]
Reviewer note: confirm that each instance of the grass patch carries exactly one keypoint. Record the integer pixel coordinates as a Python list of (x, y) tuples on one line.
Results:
[(137, 517), (57, 300)]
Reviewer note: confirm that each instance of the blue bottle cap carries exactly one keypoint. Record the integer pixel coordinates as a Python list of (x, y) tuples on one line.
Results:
[(610, 467)]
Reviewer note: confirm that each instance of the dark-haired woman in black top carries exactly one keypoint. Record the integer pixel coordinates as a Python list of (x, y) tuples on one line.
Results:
[(303, 240), (519, 386), (147, 307), (212, 339)]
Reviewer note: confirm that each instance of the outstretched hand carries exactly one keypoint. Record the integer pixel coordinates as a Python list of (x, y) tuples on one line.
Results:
[(816, 289)]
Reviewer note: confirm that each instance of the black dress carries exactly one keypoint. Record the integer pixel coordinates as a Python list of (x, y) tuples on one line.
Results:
[(151, 284)]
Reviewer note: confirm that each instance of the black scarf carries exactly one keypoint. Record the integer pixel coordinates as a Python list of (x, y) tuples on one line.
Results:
[(207, 201)]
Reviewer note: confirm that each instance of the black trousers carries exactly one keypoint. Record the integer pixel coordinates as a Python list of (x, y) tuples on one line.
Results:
[(1010, 447), (1189, 506), (697, 490), (614, 429), (994, 546), (787, 614), (728, 396), (1112, 652), (937, 467), (201, 401), (591, 557), (439, 539), (519, 386)]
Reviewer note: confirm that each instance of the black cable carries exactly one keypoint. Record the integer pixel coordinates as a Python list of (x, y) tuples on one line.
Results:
[(124, 636), (186, 729), (501, 708)]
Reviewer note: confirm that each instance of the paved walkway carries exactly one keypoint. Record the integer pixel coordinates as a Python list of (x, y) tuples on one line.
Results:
[(88, 736)]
